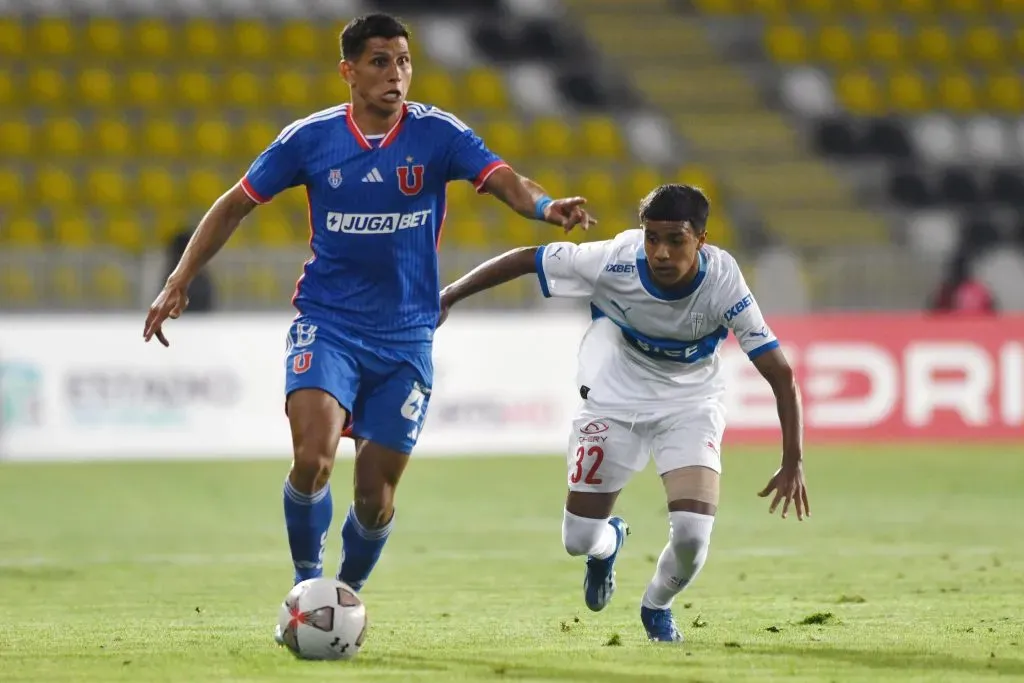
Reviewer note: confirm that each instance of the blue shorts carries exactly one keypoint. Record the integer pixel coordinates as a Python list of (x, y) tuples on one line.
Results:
[(384, 390)]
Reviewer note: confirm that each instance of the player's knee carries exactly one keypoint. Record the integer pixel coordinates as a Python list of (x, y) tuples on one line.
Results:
[(374, 504), (311, 469), (690, 538), (581, 534)]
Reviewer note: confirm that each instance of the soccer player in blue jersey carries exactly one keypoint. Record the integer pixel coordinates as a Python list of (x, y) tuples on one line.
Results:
[(359, 350)]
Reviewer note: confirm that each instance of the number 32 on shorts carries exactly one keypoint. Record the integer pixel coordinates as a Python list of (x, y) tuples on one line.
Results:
[(593, 455)]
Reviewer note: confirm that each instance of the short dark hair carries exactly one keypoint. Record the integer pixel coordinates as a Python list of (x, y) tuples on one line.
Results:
[(361, 29), (674, 202)]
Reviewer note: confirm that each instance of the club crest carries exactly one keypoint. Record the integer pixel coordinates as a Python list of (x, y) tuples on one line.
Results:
[(334, 178)]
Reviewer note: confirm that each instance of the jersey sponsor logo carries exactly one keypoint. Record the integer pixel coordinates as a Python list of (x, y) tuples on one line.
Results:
[(376, 223), (334, 178), (594, 427), (620, 268), (410, 179), (738, 307)]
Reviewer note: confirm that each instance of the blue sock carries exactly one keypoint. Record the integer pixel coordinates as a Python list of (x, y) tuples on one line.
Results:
[(307, 517), (360, 549)]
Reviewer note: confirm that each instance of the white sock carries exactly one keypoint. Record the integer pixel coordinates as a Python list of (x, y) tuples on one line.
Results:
[(585, 536), (681, 560)]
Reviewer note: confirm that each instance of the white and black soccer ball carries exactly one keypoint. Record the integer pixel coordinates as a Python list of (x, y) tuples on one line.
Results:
[(322, 619)]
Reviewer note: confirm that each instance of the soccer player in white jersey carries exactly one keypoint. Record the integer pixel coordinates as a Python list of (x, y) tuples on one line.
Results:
[(649, 377)]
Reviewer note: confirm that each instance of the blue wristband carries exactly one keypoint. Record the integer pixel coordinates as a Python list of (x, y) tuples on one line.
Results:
[(542, 203)]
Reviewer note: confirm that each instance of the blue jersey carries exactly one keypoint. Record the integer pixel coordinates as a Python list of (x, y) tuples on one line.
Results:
[(376, 208)]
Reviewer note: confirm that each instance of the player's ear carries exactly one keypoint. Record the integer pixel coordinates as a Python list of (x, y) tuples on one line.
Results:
[(345, 69)]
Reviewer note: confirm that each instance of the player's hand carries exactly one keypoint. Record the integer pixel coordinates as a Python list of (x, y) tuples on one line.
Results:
[(788, 484), (170, 303), (569, 213)]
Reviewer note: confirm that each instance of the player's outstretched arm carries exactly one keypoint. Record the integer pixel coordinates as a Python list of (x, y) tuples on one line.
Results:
[(788, 481), (498, 270), (529, 200), (212, 233)]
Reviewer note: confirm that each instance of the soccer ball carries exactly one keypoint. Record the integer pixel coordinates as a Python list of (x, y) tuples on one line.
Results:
[(322, 619)]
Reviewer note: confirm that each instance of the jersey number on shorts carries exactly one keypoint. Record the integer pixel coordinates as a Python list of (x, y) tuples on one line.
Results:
[(412, 409), (597, 453)]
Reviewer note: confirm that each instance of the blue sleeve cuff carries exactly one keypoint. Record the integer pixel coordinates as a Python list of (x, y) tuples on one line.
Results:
[(763, 349), (539, 261)]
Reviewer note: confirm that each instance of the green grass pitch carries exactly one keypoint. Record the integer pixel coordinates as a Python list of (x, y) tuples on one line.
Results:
[(174, 572)]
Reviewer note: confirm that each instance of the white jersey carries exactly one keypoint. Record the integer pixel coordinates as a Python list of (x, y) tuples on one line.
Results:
[(647, 349)]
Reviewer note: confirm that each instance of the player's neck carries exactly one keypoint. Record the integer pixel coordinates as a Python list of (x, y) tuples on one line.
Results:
[(372, 121)]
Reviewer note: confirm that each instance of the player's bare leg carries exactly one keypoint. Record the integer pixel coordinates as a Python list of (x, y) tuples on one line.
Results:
[(588, 529), (366, 529), (692, 494)]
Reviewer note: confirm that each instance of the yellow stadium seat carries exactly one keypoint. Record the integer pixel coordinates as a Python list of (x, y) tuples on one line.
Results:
[(639, 184), (483, 88), (12, 188), (884, 43), (601, 189), (256, 135), (263, 285), (934, 44), (23, 230), (104, 37), (469, 231), (1018, 42), (908, 91), (161, 136), (983, 44), (203, 186), (1005, 92), (212, 138), (63, 136), (157, 187), (871, 7), (836, 44), (72, 228), (273, 227), (956, 92), (715, 6), (821, 7), (112, 137), (53, 37), (769, 7), (786, 44), (553, 181), (67, 284), (18, 285), (521, 232), (12, 37), (292, 89), (163, 225), (859, 92), (1008, 6), (46, 86), (107, 186), (154, 38), (701, 178), (600, 139), (917, 7), (252, 40), (9, 83), (970, 7), (108, 283), (300, 40), (244, 88), (55, 186), (202, 39), (721, 232), (96, 87), (122, 229), (146, 88), (435, 87), (552, 137), (331, 90), (195, 88), (505, 137), (16, 138)]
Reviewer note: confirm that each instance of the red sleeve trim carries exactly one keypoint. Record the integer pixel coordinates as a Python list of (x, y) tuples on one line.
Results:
[(252, 193), (488, 171)]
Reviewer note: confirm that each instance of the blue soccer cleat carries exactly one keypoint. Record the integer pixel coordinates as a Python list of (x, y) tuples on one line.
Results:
[(660, 625), (599, 583)]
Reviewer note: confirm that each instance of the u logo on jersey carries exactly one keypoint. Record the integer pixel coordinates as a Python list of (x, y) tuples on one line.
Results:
[(410, 179), (334, 178)]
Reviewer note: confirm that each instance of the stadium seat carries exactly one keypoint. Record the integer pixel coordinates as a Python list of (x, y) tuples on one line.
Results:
[(916, 7), (601, 189), (837, 138), (108, 284), (640, 182), (12, 186), (967, 7), (53, 37), (161, 136), (12, 37), (484, 89), (203, 184), (104, 37), (699, 176), (1004, 92), (301, 40), (984, 45), (96, 87), (202, 39), (23, 229), (956, 92), (10, 88), (263, 285), (195, 87), (256, 135), (157, 187), (552, 138), (787, 44), (273, 227), (154, 38), (505, 138), (958, 186), (18, 285), (461, 230), (910, 190), (552, 180), (600, 138), (72, 229), (107, 186), (859, 92), (252, 41), (67, 285), (244, 88), (111, 137), (146, 88), (211, 138), (908, 91), (934, 44), (887, 138), (836, 44), (47, 86), (1008, 188), (16, 138), (56, 186), (62, 136), (122, 229), (884, 44), (292, 89), (435, 87)]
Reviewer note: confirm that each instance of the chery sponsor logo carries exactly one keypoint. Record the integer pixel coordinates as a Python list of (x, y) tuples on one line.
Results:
[(921, 378)]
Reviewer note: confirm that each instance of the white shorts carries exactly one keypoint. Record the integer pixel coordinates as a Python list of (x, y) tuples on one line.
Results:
[(604, 453)]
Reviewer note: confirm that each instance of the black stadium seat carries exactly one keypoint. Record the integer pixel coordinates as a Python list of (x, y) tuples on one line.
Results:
[(1008, 188), (959, 187), (887, 138), (837, 138), (910, 190)]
